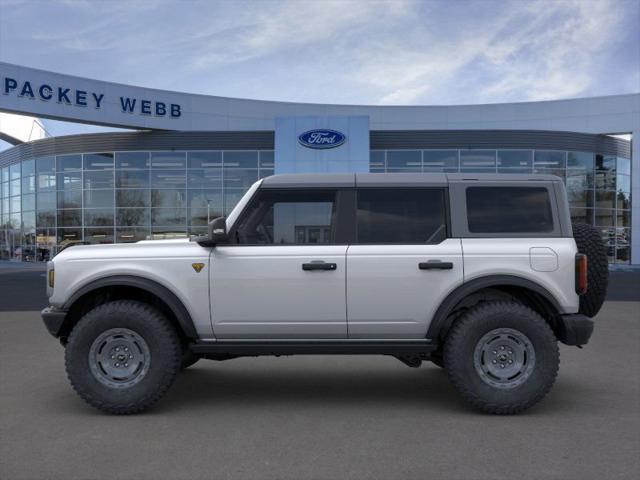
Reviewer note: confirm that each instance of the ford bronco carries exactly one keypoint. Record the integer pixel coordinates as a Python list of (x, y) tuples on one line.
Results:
[(481, 274)]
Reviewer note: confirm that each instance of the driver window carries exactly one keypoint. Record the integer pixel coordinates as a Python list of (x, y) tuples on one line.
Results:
[(289, 217)]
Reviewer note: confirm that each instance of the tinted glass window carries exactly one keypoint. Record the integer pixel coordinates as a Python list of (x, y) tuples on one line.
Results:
[(478, 161), (28, 167), (70, 180), (440, 160), (98, 199), (69, 162), (550, 159), (204, 178), (401, 216), (47, 164), (98, 161), (515, 159), (240, 178), (241, 159), (266, 159), (289, 217), (580, 160), (132, 160), (132, 179), (376, 159), (168, 179), (168, 159), (509, 210), (204, 159), (404, 159), (98, 179)]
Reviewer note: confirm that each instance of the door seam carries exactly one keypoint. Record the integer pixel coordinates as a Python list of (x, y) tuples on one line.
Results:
[(346, 292)]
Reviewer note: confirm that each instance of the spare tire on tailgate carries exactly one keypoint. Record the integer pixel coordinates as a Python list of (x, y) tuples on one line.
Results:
[(590, 243)]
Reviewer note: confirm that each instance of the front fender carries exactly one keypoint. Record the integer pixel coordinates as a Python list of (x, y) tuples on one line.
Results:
[(167, 296)]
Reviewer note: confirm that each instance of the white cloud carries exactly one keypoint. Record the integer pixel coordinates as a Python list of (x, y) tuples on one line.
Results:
[(386, 52), (270, 30), (552, 55), (531, 51)]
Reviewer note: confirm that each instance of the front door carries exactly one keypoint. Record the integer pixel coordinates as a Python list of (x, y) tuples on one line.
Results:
[(284, 274)]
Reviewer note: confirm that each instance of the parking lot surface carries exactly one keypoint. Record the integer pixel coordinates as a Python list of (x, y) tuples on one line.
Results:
[(322, 418)]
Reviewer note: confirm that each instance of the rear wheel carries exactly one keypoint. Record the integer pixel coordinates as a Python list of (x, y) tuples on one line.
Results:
[(122, 356), (502, 357)]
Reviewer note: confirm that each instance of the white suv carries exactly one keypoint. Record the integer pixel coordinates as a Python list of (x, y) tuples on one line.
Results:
[(480, 274)]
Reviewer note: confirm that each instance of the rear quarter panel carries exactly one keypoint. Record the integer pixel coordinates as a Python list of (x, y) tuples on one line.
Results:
[(528, 258)]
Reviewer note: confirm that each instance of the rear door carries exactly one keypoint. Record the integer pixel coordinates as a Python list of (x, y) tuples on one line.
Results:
[(402, 263)]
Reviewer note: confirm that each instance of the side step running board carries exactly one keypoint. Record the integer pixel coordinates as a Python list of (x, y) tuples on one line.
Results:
[(225, 348)]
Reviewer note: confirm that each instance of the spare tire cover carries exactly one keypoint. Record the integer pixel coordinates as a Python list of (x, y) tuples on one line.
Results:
[(589, 242)]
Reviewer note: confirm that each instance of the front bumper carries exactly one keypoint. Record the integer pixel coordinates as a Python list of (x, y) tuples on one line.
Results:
[(574, 329), (54, 320)]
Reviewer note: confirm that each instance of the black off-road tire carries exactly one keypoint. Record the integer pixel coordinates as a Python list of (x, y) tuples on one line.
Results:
[(188, 358), (150, 328), (589, 242), (467, 334)]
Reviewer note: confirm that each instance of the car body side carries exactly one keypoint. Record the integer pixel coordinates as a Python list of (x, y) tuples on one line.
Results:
[(546, 263)]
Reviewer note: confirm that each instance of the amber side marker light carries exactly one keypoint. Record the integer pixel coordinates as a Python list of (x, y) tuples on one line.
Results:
[(52, 278), (581, 274)]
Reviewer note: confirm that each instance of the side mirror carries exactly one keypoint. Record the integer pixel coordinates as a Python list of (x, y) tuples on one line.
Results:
[(217, 233), (218, 230)]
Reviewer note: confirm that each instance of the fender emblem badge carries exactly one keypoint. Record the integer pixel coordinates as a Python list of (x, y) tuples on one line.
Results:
[(197, 267)]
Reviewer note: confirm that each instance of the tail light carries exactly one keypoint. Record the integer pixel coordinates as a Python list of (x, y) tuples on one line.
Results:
[(581, 274)]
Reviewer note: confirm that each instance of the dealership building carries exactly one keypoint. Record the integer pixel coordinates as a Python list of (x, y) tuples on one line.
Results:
[(189, 158)]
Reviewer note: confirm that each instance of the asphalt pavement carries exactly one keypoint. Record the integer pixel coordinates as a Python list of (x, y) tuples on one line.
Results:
[(319, 417)]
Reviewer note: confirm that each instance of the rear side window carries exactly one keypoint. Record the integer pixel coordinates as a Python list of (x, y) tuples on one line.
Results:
[(401, 215), (509, 210)]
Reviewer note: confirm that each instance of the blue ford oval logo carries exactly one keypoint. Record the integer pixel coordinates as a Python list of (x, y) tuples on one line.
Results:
[(322, 138)]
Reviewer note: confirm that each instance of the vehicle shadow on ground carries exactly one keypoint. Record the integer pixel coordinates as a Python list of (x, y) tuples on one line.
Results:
[(426, 387), (208, 385), (211, 384)]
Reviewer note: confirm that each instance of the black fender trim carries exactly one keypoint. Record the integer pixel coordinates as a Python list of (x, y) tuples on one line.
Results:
[(440, 321), (163, 293), (575, 329), (54, 320)]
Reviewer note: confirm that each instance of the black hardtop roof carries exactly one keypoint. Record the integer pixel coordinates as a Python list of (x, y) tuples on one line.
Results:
[(318, 180)]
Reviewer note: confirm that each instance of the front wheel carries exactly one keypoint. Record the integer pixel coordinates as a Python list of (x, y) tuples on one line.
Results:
[(502, 357), (122, 356)]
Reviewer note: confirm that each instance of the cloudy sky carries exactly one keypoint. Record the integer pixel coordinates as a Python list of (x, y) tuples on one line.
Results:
[(362, 52)]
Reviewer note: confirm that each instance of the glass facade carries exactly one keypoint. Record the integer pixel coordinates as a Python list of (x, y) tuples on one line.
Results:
[(598, 186), (116, 197)]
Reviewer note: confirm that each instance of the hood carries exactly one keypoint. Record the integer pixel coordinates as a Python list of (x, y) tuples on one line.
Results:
[(143, 248)]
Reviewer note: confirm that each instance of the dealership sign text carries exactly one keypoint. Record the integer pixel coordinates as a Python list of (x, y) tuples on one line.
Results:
[(81, 98)]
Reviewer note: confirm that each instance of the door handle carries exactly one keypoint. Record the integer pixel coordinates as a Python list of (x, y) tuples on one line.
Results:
[(319, 265), (435, 265)]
